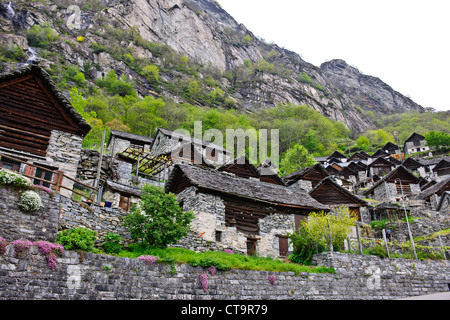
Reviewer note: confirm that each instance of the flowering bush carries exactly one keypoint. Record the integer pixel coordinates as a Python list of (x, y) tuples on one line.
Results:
[(228, 251), (204, 281), (213, 270), (148, 259), (30, 201), (21, 246), (3, 244), (51, 251), (8, 177), (272, 279)]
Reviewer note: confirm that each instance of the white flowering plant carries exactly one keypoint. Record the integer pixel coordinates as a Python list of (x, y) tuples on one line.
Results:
[(30, 201), (8, 177)]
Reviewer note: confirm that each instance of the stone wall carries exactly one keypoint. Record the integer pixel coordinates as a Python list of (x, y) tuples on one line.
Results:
[(419, 228), (56, 213), (64, 152), (103, 220), (94, 277), (15, 223)]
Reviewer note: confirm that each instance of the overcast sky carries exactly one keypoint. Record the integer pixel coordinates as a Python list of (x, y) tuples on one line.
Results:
[(405, 43)]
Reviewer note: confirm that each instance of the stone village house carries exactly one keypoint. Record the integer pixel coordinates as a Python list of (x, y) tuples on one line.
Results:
[(247, 215), (38, 125), (389, 189)]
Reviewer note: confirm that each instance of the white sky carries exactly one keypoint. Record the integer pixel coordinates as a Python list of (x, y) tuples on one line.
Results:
[(405, 43)]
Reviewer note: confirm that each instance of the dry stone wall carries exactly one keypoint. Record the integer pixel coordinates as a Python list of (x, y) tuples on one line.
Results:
[(94, 277)]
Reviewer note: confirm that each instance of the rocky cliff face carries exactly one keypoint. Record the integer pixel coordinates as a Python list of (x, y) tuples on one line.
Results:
[(367, 91), (251, 72)]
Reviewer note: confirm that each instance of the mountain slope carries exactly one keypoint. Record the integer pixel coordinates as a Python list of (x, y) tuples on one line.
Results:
[(191, 42), (367, 91)]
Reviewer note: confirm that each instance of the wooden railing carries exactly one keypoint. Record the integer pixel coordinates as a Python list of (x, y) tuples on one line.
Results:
[(57, 178)]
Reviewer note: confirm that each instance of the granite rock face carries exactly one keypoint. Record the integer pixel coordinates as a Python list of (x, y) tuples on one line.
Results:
[(369, 92)]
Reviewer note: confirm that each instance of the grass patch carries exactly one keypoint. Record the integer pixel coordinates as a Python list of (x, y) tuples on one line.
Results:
[(221, 260)]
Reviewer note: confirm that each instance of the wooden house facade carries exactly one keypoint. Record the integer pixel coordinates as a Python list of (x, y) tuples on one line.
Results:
[(39, 126), (329, 193), (380, 166), (241, 213)]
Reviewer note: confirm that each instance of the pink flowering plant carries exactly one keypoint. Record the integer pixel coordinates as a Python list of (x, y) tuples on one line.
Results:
[(272, 279), (204, 281), (21, 246), (3, 244), (51, 251), (212, 269), (148, 259)]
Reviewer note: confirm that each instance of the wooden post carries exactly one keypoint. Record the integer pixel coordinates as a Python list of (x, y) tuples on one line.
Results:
[(385, 242), (137, 166), (359, 239), (99, 165)]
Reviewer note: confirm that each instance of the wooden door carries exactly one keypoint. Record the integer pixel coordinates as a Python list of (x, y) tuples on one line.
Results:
[(283, 245), (124, 203)]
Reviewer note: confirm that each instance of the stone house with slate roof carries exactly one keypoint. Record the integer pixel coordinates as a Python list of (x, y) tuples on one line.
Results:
[(388, 189), (246, 215), (39, 125), (415, 143)]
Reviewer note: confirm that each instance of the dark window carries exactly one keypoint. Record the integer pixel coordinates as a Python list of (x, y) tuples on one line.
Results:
[(44, 175), (218, 236), (9, 164)]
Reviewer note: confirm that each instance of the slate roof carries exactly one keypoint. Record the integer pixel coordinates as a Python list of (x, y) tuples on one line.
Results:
[(217, 181), (433, 189), (130, 136)]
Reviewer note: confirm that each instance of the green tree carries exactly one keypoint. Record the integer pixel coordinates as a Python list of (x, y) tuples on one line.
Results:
[(334, 227), (315, 234), (294, 159), (144, 116), (363, 143), (438, 139), (151, 73), (158, 220)]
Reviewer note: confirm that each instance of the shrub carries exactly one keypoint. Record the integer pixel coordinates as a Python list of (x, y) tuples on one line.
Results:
[(29, 201), (161, 221), (304, 246), (18, 181), (379, 250), (77, 239), (41, 36), (303, 77), (112, 243)]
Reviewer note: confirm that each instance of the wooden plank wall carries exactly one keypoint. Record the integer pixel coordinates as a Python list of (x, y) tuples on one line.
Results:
[(28, 114)]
